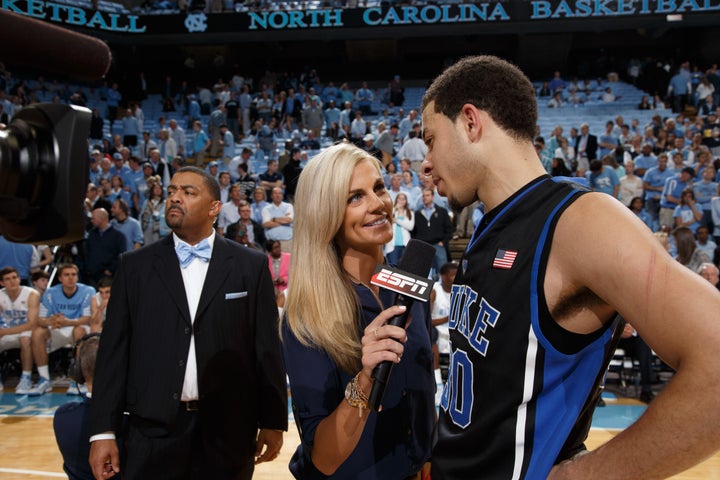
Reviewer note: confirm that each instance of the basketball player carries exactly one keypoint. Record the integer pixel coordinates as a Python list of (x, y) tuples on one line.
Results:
[(535, 298), (19, 306), (63, 319)]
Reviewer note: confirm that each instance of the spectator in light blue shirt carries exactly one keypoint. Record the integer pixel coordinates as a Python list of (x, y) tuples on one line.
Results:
[(332, 114), (607, 141), (645, 160), (602, 178), (654, 183), (125, 224), (672, 195), (704, 191), (193, 110), (201, 142), (131, 129), (113, 102), (278, 219), (227, 142), (679, 88), (330, 93)]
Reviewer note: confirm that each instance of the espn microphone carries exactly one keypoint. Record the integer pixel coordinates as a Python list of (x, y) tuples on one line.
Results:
[(410, 282)]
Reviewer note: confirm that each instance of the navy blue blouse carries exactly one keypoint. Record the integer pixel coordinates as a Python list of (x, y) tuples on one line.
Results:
[(395, 442)]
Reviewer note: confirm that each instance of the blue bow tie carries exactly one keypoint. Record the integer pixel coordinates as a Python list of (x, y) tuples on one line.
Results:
[(186, 253)]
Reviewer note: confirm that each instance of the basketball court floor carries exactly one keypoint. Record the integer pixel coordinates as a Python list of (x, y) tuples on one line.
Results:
[(29, 451)]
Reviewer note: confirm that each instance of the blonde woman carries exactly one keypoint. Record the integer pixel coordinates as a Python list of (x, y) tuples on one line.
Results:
[(334, 331)]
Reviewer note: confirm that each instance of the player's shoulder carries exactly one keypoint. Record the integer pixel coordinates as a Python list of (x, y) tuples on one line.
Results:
[(29, 291)]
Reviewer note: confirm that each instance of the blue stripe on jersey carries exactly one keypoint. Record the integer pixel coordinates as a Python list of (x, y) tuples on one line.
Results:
[(566, 385), (477, 234)]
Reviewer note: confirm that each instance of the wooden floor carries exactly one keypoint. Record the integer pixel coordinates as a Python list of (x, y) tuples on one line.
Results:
[(29, 452)]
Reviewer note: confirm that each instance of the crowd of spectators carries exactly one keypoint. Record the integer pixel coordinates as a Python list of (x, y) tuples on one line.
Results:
[(255, 135)]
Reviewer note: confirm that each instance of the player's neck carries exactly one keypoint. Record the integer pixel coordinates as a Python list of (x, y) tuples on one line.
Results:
[(13, 293), (69, 291), (510, 174)]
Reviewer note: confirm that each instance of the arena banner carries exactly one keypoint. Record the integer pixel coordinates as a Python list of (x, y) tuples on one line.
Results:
[(478, 13)]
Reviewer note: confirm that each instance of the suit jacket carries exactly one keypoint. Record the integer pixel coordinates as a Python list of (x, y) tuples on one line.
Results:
[(258, 233), (590, 148), (146, 338)]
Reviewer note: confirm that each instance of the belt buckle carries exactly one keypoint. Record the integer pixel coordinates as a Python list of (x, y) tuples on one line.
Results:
[(192, 406)]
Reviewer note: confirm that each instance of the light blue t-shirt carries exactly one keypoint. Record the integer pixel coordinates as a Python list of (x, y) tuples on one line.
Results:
[(605, 181), (54, 301)]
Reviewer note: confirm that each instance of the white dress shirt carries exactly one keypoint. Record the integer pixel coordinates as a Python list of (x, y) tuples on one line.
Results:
[(193, 278)]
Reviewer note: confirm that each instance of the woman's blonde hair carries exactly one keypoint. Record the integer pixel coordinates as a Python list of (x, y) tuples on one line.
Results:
[(322, 309)]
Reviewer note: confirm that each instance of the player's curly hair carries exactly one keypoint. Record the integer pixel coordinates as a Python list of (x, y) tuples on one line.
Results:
[(491, 84)]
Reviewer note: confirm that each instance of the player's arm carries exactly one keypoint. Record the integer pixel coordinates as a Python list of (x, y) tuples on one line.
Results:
[(96, 312), (287, 218), (267, 220), (84, 320), (439, 320), (45, 317), (63, 321), (648, 186), (697, 213), (674, 310), (46, 257)]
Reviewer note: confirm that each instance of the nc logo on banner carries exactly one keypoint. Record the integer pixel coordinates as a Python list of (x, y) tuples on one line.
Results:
[(195, 22)]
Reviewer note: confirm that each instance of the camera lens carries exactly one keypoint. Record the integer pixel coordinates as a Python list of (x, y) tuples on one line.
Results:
[(27, 164), (44, 174)]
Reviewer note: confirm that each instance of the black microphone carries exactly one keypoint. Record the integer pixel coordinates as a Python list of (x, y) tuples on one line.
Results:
[(37, 44), (410, 282)]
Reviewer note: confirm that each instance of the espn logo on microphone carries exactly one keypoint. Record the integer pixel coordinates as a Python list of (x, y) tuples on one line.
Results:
[(402, 282)]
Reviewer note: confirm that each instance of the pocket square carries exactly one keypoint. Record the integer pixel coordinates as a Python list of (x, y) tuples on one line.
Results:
[(234, 295)]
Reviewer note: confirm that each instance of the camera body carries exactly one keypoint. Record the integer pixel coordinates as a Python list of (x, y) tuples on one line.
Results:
[(44, 174)]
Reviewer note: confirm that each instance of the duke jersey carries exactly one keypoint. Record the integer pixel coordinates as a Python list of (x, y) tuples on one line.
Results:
[(14, 313), (54, 301), (517, 381)]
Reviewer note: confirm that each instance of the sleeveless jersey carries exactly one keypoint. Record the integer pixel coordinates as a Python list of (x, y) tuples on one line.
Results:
[(54, 301), (517, 381), (14, 313), (441, 308)]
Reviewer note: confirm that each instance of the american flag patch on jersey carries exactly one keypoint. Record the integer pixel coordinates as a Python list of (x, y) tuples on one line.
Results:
[(504, 259)]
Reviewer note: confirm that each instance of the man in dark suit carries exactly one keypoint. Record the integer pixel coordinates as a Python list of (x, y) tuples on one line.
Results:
[(103, 246), (586, 146), (190, 350)]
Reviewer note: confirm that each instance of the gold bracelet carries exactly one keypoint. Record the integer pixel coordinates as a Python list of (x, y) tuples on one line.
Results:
[(355, 396)]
